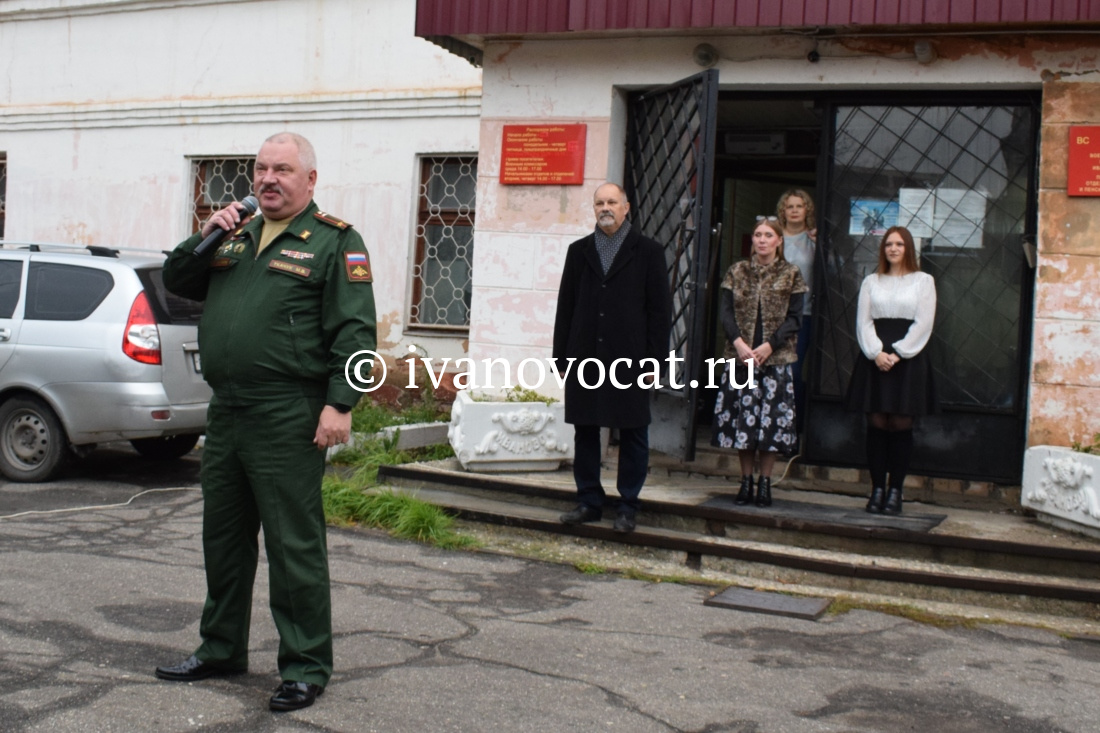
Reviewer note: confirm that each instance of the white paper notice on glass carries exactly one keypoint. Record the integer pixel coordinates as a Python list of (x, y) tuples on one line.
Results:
[(916, 211), (959, 217)]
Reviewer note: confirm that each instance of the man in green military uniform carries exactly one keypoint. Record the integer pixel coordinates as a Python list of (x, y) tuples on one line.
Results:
[(288, 300)]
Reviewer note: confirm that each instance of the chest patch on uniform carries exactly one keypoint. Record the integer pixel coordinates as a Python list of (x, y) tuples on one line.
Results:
[(358, 267), (293, 269), (220, 263), (295, 255)]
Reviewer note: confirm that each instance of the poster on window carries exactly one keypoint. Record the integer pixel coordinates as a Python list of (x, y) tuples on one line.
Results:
[(916, 211), (872, 216)]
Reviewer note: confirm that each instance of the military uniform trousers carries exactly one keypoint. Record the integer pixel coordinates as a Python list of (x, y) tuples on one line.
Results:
[(260, 467)]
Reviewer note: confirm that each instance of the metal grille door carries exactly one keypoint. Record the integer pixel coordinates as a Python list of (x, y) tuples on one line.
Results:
[(962, 179), (670, 166)]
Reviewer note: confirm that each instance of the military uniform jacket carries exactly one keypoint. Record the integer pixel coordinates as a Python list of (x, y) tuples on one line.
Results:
[(623, 314), (284, 321)]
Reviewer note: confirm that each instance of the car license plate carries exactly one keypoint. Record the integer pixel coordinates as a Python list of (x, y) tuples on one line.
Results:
[(196, 361)]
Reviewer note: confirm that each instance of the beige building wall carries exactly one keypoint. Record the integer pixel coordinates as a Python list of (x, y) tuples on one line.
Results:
[(1065, 384)]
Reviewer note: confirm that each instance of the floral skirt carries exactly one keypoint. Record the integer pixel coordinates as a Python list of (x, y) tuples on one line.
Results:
[(760, 418)]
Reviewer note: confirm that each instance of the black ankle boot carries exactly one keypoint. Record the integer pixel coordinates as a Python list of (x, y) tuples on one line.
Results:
[(764, 491), (893, 501), (874, 504), (744, 496)]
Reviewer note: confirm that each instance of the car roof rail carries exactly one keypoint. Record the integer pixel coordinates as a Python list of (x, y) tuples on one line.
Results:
[(96, 250)]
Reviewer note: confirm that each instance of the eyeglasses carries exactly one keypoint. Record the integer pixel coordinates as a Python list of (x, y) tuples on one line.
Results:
[(767, 218)]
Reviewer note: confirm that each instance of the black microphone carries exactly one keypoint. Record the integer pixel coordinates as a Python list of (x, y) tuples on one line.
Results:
[(249, 204)]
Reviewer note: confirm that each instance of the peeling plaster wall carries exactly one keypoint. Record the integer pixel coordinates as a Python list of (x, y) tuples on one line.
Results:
[(523, 231), (1065, 387), (101, 105)]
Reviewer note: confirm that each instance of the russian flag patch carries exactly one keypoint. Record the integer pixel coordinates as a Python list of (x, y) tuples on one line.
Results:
[(358, 267)]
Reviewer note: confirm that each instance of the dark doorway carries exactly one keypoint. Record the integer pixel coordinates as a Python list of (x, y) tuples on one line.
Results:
[(767, 144)]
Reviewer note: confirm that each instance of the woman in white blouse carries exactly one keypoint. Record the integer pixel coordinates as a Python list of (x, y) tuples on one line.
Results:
[(893, 384)]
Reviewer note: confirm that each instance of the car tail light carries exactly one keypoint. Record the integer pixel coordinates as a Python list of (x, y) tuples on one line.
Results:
[(141, 341)]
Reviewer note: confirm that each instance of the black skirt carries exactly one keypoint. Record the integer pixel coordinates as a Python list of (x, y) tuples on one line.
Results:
[(907, 389)]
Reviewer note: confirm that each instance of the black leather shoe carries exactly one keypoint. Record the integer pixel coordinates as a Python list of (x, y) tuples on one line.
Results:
[(582, 514), (193, 668), (744, 496), (295, 695), (874, 504), (624, 523), (764, 491), (893, 501)]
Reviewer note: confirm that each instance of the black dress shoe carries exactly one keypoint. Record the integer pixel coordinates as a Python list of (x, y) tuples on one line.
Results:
[(744, 496), (193, 668), (624, 523), (582, 514), (295, 695), (874, 504)]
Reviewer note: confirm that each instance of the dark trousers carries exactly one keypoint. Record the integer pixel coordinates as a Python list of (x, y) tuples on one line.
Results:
[(260, 468), (633, 466)]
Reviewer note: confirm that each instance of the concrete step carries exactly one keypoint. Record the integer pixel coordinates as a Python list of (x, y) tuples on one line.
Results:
[(839, 570), (806, 520), (716, 462)]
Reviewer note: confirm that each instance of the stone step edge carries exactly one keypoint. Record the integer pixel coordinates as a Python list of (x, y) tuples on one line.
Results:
[(841, 480), (820, 561), (427, 473)]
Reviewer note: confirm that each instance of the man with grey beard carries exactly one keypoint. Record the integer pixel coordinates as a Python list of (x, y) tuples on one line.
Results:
[(613, 307)]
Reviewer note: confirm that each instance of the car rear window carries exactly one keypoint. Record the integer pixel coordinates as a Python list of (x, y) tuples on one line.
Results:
[(11, 273), (168, 308), (65, 292)]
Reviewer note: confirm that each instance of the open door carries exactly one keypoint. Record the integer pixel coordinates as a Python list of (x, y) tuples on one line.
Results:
[(669, 175)]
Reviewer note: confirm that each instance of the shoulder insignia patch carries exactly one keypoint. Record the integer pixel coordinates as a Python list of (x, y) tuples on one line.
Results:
[(358, 267), (331, 220), (293, 269)]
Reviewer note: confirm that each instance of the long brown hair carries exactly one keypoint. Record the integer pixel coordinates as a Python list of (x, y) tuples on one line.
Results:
[(811, 218), (908, 260)]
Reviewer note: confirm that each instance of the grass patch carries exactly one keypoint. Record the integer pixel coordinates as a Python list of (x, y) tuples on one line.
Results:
[(844, 604), (369, 417), (590, 568), (349, 501)]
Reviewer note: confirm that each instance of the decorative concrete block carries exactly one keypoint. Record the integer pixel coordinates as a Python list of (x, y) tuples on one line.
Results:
[(1061, 486), (509, 436)]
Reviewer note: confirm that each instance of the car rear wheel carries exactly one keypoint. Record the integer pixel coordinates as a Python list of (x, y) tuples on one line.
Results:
[(173, 446), (32, 441)]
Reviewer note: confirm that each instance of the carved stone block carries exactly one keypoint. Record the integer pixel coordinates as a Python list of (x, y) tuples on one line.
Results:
[(509, 436), (1061, 484)]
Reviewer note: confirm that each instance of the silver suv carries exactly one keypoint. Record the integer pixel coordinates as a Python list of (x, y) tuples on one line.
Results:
[(93, 349)]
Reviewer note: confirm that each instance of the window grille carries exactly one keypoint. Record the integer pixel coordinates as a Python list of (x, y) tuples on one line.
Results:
[(217, 182), (3, 191), (443, 269)]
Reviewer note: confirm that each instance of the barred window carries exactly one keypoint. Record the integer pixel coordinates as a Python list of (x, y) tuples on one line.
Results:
[(443, 268), (217, 182), (3, 190)]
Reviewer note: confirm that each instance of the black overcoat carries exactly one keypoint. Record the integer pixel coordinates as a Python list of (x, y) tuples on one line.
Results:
[(624, 314)]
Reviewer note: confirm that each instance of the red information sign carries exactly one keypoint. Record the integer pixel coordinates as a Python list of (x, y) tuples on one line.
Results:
[(1084, 161), (543, 154)]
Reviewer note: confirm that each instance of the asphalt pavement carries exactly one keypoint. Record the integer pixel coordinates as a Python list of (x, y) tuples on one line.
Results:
[(430, 640)]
